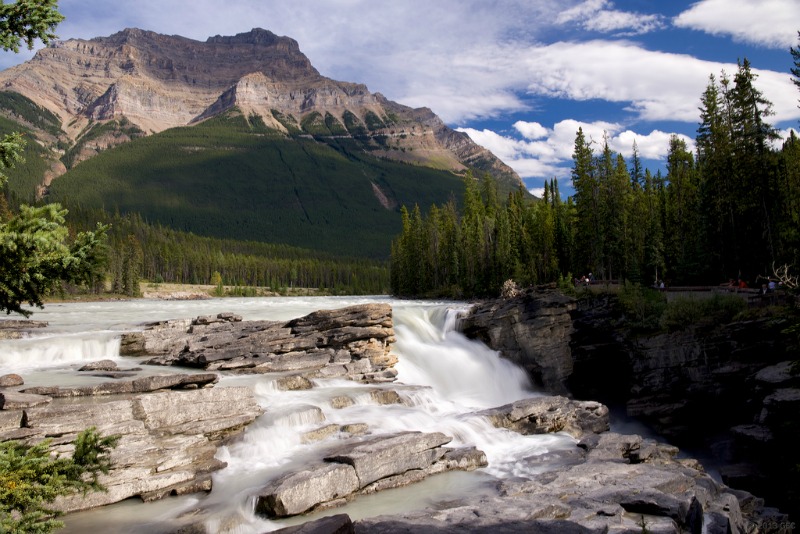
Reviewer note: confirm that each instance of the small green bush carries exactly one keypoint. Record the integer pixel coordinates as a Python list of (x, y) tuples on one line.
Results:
[(31, 479), (684, 312), (643, 307)]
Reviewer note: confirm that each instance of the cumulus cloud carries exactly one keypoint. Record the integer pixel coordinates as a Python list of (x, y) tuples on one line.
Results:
[(548, 153), (656, 85), (537, 191), (466, 59), (770, 23), (599, 16)]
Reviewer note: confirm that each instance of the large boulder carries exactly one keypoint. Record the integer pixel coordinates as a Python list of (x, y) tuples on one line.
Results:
[(352, 342), (373, 464), (608, 491), (168, 438), (532, 330), (541, 415)]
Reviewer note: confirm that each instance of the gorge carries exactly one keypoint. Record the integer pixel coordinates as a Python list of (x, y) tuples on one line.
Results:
[(446, 389), (726, 391)]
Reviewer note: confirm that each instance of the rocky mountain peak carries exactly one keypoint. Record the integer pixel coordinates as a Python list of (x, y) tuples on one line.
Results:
[(256, 36), (156, 82)]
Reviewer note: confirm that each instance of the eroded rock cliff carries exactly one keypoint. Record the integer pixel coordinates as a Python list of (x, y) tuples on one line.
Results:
[(726, 391)]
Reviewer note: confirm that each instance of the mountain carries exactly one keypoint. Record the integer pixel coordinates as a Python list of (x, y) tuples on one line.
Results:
[(116, 116)]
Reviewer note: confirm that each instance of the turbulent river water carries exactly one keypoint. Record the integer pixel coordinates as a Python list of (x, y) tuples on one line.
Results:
[(444, 378)]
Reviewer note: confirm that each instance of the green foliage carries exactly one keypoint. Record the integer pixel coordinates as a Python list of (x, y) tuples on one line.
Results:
[(334, 126), (11, 147), (353, 124), (373, 121), (472, 253), (168, 255), (120, 128), (216, 281), (314, 124), (734, 212), (24, 21), (23, 179), (219, 180), (30, 112), (31, 479), (36, 255), (288, 122), (642, 307), (684, 312)]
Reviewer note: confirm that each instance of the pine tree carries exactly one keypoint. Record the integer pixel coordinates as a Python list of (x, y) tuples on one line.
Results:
[(684, 230), (588, 231), (31, 479)]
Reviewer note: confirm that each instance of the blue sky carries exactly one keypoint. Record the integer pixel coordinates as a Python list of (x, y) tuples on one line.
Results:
[(519, 76)]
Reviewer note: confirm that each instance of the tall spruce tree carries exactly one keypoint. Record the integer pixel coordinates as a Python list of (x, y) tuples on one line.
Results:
[(684, 230), (588, 217)]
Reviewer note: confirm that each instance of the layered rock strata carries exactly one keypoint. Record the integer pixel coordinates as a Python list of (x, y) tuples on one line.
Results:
[(353, 342), (532, 330), (375, 464), (730, 390), (156, 82), (617, 483), (168, 435)]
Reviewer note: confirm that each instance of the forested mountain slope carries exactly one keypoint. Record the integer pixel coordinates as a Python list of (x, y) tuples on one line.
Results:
[(234, 137)]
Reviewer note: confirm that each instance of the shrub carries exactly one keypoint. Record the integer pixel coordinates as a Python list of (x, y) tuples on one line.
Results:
[(510, 289), (643, 307), (684, 312), (31, 479)]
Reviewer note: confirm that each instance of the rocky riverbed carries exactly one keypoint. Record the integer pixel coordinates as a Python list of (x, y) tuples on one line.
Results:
[(727, 391), (172, 425)]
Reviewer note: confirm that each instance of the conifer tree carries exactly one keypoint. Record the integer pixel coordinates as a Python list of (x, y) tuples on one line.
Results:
[(588, 244), (683, 228)]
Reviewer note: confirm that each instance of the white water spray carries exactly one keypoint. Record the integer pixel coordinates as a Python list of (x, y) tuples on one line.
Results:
[(443, 380)]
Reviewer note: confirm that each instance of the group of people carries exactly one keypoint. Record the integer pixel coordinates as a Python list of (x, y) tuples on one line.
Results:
[(584, 280), (768, 286)]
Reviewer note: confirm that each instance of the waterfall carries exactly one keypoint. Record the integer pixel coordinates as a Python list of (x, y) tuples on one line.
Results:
[(443, 380)]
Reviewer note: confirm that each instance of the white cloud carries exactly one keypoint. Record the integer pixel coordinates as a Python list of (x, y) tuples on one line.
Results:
[(550, 155), (770, 23), (537, 191), (581, 12), (530, 130), (466, 59), (650, 146), (656, 85), (599, 16)]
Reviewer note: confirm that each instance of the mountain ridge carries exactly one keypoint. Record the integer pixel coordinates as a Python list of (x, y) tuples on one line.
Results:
[(159, 82)]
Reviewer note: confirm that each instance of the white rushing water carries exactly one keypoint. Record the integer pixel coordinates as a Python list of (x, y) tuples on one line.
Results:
[(444, 378)]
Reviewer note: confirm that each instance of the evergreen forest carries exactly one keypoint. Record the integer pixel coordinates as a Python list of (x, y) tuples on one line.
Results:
[(729, 210)]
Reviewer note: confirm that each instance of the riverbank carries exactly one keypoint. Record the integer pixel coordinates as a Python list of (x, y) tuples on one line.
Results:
[(175, 291), (726, 386)]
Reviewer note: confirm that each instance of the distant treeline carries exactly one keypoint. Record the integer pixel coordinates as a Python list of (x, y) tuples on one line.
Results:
[(732, 210), (138, 250)]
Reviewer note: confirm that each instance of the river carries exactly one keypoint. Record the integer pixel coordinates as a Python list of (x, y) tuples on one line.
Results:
[(443, 378)]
